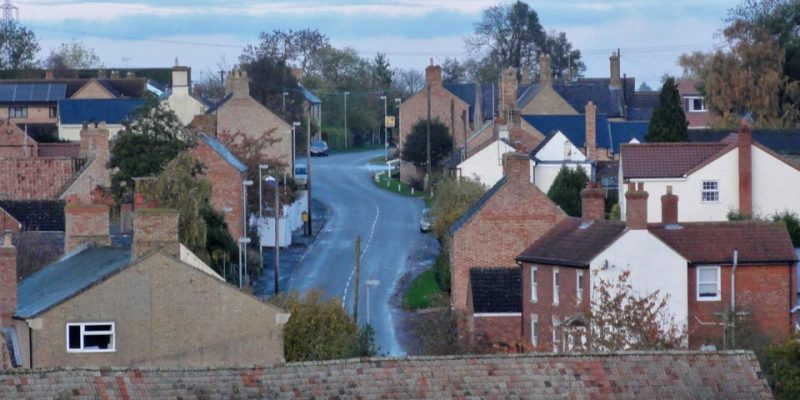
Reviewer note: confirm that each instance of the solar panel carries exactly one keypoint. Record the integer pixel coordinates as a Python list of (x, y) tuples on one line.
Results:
[(32, 92)]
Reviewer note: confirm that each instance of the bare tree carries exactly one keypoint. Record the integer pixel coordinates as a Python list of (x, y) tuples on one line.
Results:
[(508, 34), (292, 47), (408, 81)]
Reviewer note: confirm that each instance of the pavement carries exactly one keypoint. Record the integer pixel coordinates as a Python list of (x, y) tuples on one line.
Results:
[(391, 243)]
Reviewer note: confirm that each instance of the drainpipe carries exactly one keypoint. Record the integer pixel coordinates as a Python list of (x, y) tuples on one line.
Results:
[(733, 298)]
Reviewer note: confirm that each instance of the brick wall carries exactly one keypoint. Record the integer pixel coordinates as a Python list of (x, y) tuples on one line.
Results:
[(543, 307), (767, 292), (8, 222), (85, 223), (497, 330), (415, 109), (226, 186), (8, 280), (155, 228), (248, 116), (13, 142), (35, 178)]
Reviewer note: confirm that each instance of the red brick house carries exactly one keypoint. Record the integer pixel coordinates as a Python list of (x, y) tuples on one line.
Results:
[(694, 105), (226, 174), (692, 263)]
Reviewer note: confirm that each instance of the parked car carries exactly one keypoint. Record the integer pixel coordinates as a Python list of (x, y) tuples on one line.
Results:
[(426, 221), (300, 174), (319, 148)]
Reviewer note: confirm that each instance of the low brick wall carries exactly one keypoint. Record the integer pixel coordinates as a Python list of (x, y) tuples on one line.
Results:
[(36, 178)]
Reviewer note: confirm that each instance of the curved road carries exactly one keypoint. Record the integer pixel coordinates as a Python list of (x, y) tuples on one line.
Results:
[(389, 229)]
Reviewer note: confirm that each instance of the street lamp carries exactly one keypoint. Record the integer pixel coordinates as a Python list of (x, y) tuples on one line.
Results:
[(295, 124), (261, 167), (385, 142), (243, 240), (345, 119), (284, 103), (397, 101), (370, 283), (274, 183)]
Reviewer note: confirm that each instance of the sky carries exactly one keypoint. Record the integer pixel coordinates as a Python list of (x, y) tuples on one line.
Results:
[(204, 34)]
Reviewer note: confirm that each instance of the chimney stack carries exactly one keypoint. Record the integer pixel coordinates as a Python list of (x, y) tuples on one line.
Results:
[(508, 91), (545, 70), (433, 75), (153, 229), (669, 208), (593, 203), (616, 81), (517, 167), (591, 131), (636, 204), (94, 141), (180, 80), (745, 169), (8, 280), (85, 223), (238, 84)]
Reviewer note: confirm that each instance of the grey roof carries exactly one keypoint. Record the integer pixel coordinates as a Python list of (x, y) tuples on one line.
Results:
[(223, 151), (37, 215), (496, 290), (477, 206), (309, 96), (214, 107), (609, 101), (32, 92), (68, 277)]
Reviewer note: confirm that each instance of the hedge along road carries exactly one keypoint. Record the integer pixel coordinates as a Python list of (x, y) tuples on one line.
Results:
[(389, 228)]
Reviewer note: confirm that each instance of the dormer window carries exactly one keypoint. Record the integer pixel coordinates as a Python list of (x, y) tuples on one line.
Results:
[(695, 104)]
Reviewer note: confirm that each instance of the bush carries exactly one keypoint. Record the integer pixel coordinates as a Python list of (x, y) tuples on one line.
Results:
[(416, 145), (566, 189), (451, 201), (781, 365), (442, 270), (792, 223)]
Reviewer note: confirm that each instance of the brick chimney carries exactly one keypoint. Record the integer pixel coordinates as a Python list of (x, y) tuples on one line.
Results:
[(180, 80), (94, 141), (616, 81), (153, 229), (85, 223), (545, 70), (593, 203), (591, 131), (669, 208), (636, 204), (8, 280), (238, 84), (517, 167), (433, 75), (508, 91), (745, 169)]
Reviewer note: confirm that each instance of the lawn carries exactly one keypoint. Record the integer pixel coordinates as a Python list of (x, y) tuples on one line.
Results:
[(419, 292)]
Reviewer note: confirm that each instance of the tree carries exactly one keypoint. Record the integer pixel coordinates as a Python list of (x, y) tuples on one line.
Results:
[(668, 123), (436, 332), (453, 71), (644, 87), (781, 366), (566, 189), (408, 81), (149, 141), (509, 34), (382, 75), (220, 246), (322, 330), (619, 318), (18, 47), (792, 223), (415, 147), (288, 47), (452, 200), (565, 61), (270, 77), (71, 56)]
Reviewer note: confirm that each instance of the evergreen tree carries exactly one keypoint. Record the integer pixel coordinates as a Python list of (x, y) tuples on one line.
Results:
[(415, 147), (669, 122), (566, 190)]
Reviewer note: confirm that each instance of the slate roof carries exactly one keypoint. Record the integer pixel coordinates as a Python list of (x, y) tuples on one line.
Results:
[(667, 160), (573, 243), (577, 93), (628, 375), (714, 242), (36, 215), (572, 126), (214, 107), (58, 281), (477, 206), (625, 131), (641, 105), (468, 91), (32, 92), (309, 96), (496, 290), (781, 141), (111, 111), (222, 151)]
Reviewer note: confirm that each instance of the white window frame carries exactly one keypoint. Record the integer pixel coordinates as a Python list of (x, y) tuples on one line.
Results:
[(556, 277), (535, 329), (718, 282), (579, 285), (556, 342), (83, 333), (690, 103), (534, 284), (703, 191)]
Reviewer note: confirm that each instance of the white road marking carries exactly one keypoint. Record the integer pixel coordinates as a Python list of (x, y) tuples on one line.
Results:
[(363, 251)]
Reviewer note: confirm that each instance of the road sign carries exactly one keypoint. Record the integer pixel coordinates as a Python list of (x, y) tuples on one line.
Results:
[(389, 121)]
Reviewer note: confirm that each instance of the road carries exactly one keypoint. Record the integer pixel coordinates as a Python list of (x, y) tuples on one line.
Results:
[(389, 230)]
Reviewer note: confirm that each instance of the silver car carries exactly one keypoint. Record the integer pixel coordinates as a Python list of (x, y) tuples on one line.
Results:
[(426, 221), (300, 174)]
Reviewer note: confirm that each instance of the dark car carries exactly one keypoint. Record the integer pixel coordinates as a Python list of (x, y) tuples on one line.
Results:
[(319, 148)]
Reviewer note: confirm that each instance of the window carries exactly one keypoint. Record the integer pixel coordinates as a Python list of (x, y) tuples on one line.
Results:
[(90, 337), (534, 282), (534, 330), (567, 150), (708, 283), (695, 104), (580, 286), (555, 286), (710, 191), (18, 112), (556, 334), (53, 112)]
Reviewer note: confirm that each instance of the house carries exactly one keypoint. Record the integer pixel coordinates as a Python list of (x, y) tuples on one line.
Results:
[(650, 375), (227, 175), (555, 152), (486, 165), (180, 97), (73, 114), (694, 266), (735, 175), (238, 112), (694, 105), (496, 229), (154, 304)]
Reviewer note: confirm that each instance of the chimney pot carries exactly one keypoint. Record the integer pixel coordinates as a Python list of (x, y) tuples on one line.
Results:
[(545, 70), (615, 81)]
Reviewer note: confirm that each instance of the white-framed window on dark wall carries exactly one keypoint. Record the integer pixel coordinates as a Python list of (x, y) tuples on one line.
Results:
[(556, 275), (708, 283), (534, 284), (535, 330), (579, 286)]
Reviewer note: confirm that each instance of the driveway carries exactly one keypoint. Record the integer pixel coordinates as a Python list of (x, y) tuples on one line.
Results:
[(389, 230)]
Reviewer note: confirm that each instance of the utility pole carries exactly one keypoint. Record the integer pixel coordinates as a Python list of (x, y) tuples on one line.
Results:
[(428, 143), (308, 169), (345, 119), (357, 273), (277, 238), (284, 104)]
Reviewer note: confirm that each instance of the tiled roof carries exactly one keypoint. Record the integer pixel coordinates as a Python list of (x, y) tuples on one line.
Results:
[(641, 375), (496, 290), (572, 126), (223, 151), (111, 111), (666, 160), (32, 92), (625, 131), (59, 149), (781, 141), (58, 281), (573, 243), (36, 215), (477, 206), (309, 96), (714, 242)]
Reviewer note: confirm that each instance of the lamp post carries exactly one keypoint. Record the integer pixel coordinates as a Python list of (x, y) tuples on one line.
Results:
[(370, 283), (345, 119), (295, 124), (272, 181), (397, 101), (284, 103), (261, 167), (385, 142), (243, 240)]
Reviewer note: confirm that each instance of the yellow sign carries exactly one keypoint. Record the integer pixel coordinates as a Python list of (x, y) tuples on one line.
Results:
[(389, 121)]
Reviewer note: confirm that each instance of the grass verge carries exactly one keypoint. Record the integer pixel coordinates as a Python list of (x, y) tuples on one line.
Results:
[(392, 183), (422, 290)]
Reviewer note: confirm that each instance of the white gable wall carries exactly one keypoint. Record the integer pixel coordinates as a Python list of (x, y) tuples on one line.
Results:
[(776, 185), (562, 151), (545, 174), (185, 106), (486, 166), (554, 150)]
